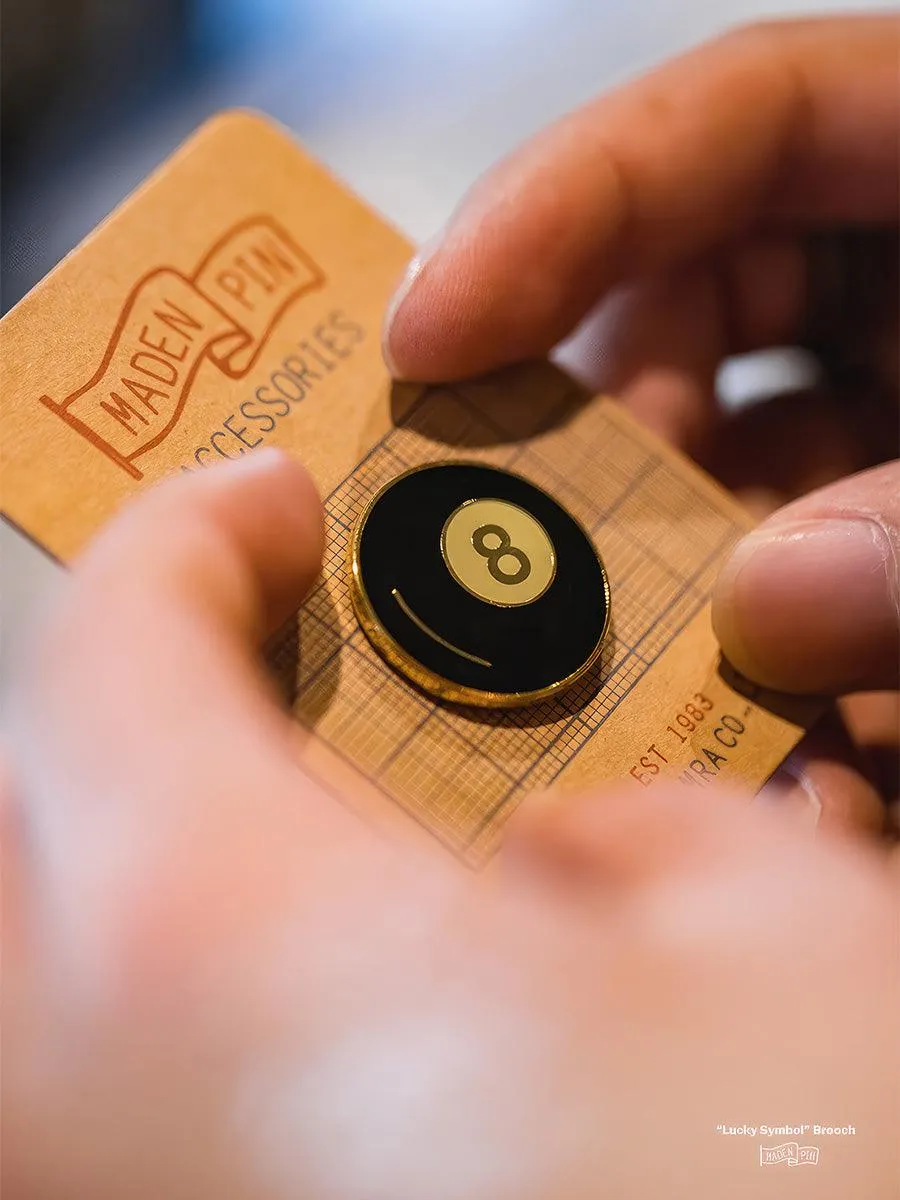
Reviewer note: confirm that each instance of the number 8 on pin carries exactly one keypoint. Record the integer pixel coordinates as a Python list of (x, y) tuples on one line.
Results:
[(478, 586)]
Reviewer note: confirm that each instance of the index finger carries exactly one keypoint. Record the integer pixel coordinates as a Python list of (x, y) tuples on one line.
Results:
[(793, 123)]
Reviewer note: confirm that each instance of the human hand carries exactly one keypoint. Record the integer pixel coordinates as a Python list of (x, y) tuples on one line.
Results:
[(741, 197), (221, 985)]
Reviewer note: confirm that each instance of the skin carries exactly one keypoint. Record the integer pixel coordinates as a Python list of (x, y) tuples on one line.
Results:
[(220, 983), (676, 221)]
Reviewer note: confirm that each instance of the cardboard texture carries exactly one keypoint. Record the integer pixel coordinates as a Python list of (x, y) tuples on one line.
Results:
[(236, 301)]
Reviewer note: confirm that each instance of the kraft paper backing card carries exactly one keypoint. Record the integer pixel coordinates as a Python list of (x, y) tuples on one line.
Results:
[(236, 300)]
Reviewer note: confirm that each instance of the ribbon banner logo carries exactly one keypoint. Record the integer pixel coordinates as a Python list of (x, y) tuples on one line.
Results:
[(792, 1153), (171, 323)]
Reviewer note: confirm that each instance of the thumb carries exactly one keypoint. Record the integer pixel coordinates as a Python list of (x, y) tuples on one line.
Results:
[(145, 742), (810, 601)]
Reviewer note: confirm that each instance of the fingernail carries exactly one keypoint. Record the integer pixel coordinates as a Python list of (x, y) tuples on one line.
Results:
[(259, 461), (266, 462), (792, 791), (266, 458), (399, 298), (789, 590)]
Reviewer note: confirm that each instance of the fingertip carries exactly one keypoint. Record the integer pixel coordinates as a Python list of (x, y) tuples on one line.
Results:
[(419, 335), (619, 835), (270, 505), (251, 528), (435, 328), (805, 606), (823, 784), (394, 333), (759, 615), (492, 288), (727, 614)]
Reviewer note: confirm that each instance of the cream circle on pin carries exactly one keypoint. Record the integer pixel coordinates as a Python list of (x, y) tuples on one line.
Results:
[(498, 552)]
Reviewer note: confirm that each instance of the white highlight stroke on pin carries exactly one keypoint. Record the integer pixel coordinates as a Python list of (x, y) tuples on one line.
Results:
[(436, 636)]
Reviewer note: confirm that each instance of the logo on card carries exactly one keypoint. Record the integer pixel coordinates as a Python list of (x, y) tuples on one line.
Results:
[(172, 323)]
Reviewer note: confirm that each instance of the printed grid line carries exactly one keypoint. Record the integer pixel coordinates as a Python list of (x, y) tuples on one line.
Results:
[(461, 771)]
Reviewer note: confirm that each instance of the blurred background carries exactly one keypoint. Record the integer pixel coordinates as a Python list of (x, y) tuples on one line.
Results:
[(406, 100)]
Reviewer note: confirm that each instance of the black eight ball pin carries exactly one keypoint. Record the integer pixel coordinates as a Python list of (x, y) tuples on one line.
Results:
[(478, 586)]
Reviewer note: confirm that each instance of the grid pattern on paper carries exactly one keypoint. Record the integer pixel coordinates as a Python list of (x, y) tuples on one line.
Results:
[(461, 771)]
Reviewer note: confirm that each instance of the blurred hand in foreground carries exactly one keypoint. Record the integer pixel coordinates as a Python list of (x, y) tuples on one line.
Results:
[(220, 984)]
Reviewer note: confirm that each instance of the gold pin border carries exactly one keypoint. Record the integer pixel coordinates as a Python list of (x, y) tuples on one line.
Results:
[(429, 681)]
